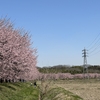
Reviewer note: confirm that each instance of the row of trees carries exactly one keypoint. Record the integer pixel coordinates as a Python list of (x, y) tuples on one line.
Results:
[(56, 76), (17, 58), (69, 69)]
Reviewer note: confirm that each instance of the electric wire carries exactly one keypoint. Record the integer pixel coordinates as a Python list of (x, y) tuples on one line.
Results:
[(94, 53), (94, 47), (95, 42)]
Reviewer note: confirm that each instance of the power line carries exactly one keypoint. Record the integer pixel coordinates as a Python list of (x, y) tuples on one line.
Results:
[(93, 42), (95, 49), (94, 53), (95, 45)]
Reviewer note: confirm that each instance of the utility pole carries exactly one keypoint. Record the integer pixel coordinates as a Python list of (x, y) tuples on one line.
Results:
[(85, 67)]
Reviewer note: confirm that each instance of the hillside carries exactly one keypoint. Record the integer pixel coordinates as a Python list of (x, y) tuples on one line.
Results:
[(18, 91)]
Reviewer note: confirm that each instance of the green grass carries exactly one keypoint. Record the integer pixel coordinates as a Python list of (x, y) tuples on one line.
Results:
[(18, 91), (24, 91)]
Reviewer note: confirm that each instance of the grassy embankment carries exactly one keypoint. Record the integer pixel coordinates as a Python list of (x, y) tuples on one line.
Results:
[(59, 93), (18, 91), (24, 91)]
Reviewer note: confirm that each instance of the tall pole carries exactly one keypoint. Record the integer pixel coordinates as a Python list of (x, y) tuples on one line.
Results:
[(85, 67)]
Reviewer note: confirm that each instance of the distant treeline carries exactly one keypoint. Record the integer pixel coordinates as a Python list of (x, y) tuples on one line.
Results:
[(69, 69)]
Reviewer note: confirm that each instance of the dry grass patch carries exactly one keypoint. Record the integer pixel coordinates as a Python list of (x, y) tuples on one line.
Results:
[(59, 93), (87, 89)]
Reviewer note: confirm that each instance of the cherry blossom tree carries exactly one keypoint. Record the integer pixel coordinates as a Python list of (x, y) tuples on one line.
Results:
[(17, 58)]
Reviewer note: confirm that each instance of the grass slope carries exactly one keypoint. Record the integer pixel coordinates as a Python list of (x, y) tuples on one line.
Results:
[(59, 93), (24, 91), (18, 91)]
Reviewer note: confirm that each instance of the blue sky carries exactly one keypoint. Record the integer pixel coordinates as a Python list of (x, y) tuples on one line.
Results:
[(60, 29)]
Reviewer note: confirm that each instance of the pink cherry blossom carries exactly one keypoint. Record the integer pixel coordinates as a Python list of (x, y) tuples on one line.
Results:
[(17, 58)]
